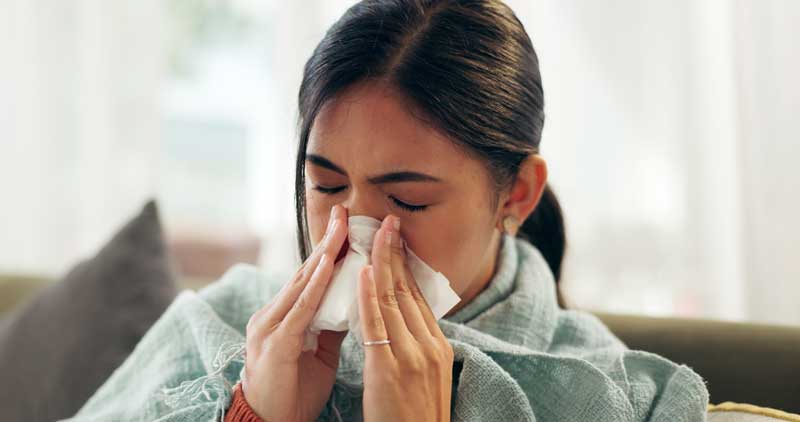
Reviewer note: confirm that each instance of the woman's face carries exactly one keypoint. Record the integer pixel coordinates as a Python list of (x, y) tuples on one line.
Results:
[(369, 154)]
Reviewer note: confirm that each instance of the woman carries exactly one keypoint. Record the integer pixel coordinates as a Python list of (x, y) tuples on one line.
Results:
[(426, 115)]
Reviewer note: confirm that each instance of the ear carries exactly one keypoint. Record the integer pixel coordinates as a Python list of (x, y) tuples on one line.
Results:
[(526, 191)]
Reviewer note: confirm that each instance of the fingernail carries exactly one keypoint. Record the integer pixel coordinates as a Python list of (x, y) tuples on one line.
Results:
[(388, 237), (396, 223)]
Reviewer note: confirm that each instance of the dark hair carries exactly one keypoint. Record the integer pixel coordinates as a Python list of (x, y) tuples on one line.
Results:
[(467, 66)]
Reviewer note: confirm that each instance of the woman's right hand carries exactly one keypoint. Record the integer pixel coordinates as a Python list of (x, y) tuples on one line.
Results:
[(281, 383)]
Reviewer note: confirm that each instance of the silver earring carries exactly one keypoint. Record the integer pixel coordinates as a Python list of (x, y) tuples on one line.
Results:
[(510, 224)]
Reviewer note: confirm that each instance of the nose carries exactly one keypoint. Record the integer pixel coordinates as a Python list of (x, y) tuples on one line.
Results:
[(359, 204)]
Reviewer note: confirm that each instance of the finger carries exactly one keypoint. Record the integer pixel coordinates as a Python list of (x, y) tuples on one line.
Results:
[(382, 273), (258, 316), (276, 311), (407, 303), (259, 324), (422, 304), (372, 324), (301, 314)]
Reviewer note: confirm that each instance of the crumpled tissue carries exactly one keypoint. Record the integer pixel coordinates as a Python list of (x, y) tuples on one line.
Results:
[(338, 310)]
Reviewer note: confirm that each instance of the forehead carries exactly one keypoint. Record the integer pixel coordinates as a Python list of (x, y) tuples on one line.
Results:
[(368, 128)]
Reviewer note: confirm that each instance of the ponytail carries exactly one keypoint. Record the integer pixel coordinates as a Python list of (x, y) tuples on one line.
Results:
[(544, 228)]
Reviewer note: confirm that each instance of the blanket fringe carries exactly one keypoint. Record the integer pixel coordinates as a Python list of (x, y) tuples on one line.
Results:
[(201, 389)]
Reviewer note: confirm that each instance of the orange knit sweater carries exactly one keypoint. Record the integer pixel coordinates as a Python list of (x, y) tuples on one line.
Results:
[(239, 410)]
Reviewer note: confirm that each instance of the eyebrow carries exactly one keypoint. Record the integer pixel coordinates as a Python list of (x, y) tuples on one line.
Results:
[(395, 177)]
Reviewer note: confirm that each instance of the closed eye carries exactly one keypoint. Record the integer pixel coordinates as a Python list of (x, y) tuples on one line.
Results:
[(399, 203)]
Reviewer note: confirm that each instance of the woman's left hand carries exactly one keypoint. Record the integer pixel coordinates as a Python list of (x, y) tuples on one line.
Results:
[(410, 378)]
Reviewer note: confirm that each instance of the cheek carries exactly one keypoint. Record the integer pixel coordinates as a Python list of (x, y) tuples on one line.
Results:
[(318, 213), (466, 254), (454, 244)]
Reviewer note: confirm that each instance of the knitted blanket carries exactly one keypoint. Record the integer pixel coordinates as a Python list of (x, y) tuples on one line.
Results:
[(518, 357)]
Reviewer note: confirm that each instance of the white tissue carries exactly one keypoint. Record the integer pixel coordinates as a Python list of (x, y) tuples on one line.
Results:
[(338, 310)]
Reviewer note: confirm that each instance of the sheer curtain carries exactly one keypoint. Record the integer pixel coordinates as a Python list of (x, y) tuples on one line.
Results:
[(670, 141), (78, 125), (670, 137)]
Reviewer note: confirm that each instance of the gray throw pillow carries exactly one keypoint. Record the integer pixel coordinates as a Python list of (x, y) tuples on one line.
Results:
[(58, 348)]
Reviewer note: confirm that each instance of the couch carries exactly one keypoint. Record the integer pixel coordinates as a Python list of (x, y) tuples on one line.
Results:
[(742, 362)]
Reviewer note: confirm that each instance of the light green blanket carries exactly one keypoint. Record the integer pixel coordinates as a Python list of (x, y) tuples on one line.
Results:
[(518, 358)]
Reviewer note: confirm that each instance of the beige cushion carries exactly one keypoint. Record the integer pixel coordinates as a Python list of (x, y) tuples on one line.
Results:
[(741, 412)]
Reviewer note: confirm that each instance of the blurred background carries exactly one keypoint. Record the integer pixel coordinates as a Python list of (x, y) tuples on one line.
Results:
[(671, 136)]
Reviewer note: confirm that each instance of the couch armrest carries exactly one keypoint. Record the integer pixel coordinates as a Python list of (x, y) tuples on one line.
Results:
[(742, 362)]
